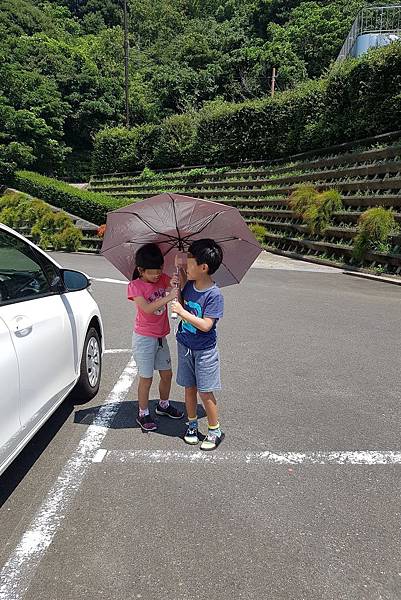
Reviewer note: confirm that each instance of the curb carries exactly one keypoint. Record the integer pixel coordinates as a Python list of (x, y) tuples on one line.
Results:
[(373, 277), (344, 269)]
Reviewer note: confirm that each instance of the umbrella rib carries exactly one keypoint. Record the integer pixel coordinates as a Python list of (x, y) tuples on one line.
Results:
[(175, 245), (203, 224), (147, 224), (188, 239), (176, 222), (232, 239), (171, 238), (229, 270)]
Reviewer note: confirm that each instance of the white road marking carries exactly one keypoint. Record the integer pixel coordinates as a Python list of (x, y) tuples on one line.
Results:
[(108, 280), (99, 456), (365, 457), (118, 351), (18, 571)]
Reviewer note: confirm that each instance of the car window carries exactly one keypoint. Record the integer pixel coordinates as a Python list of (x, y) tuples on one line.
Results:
[(22, 276)]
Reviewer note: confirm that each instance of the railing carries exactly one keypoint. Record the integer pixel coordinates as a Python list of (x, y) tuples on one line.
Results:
[(372, 19)]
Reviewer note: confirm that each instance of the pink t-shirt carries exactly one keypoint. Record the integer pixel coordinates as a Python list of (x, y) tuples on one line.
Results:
[(155, 324)]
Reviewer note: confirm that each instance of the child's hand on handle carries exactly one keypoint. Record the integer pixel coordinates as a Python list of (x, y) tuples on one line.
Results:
[(180, 262), (175, 281), (172, 295), (177, 308)]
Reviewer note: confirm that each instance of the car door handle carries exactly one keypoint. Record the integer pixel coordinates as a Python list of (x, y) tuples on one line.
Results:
[(22, 326)]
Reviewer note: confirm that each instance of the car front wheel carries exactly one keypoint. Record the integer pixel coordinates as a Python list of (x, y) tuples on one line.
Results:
[(91, 367)]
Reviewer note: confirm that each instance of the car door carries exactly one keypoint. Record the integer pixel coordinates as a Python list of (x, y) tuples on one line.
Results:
[(10, 425), (41, 327)]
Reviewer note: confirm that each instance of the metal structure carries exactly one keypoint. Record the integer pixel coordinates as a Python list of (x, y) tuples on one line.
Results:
[(126, 65), (380, 25)]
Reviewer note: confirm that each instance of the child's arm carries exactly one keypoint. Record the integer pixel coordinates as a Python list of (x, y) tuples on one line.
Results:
[(151, 307), (178, 281), (202, 323)]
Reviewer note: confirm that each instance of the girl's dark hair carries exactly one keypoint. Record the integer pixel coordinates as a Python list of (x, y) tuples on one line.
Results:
[(207, 252), (148, 256)]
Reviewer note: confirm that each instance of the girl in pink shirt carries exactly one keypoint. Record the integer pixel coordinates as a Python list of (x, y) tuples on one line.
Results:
[(149, 290)]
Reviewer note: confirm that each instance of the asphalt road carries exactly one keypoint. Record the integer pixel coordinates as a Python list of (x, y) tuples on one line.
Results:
[(310, 366)]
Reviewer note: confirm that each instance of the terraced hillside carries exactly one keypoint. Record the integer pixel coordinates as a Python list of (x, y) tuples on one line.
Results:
[(365, 177)]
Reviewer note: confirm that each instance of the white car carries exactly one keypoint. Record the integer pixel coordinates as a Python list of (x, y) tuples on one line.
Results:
[(51, 340)]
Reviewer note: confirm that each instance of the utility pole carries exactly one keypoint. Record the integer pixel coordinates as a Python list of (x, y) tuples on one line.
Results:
[(126, 65), (273, 86)]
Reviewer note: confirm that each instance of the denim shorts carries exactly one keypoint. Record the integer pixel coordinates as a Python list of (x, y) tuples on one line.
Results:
[(150, 354), (199, 368)]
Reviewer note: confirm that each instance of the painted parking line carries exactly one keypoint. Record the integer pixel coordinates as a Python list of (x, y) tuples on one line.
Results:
[(354, 457), (118, 351), (16, 574)]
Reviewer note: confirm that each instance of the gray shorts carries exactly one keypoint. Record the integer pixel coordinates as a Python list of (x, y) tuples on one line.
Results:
[(199, 368), (150, 354)]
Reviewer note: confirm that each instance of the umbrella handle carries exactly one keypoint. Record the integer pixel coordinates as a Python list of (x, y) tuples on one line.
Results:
[(174, 315)]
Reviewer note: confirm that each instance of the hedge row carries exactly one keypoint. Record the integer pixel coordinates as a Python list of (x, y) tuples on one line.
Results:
[(91, 206), (358, 98)]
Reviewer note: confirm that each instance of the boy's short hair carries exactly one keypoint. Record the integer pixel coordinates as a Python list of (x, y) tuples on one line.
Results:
[(207, 252), (148, 256)]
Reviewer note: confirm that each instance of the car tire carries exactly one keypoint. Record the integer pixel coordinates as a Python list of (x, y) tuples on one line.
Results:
[(91, 367)]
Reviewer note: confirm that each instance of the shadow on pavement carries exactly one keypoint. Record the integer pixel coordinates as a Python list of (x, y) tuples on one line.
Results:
[(126, 415)]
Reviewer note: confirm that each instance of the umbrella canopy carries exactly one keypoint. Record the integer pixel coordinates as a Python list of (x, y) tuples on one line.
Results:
[(173, 222)]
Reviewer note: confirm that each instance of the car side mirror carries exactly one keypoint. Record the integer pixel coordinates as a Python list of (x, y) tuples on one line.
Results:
[(74, 281)]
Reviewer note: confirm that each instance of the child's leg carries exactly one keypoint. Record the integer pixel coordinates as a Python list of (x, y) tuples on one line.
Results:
[(144, 419), (144, 349), (210, 404), (143, 392), (165, 384), (214, 434), (186, 378), (191, 434), (191, 401), (164, 407)]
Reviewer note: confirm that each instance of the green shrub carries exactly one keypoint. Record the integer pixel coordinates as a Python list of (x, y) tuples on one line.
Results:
[(375, 226), (11, 199), (48, 228), (258, 231), (10, 206), (19, 210), (147, 143), (115, 150), (92, 206), (302, 199), (314, 208), (318, 216), (147, 175), (177, 139), (195, 174), (118, 150), (70, 239)]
